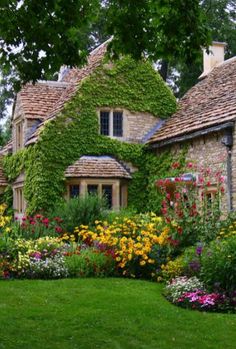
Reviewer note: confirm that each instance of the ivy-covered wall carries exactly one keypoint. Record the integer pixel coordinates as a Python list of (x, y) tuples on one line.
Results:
[(127, 84)]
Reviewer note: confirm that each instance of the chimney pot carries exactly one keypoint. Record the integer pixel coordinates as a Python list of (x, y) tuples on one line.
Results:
[(213, 58)]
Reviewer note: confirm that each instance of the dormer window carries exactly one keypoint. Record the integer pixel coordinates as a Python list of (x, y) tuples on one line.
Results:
[(111, 123)]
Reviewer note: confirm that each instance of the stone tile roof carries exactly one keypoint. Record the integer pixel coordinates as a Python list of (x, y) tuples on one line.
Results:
[(72, 78), (209, 103), (38, 100), (97, 167), (6, 149)]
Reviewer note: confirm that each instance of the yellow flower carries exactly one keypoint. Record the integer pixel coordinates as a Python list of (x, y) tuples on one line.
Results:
[(142, 263)]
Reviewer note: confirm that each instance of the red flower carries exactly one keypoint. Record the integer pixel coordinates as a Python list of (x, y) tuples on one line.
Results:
[(190, 165), (177, 196), (175, 165), (164, 211), (38, 216), (222, 189), (180, 230), (168, 196), (208, 184), (58, 229), (45, 221), (58, 219), (164, 203)]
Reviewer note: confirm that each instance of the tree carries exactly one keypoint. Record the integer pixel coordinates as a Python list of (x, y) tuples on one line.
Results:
[(38, 36), (221, 17)]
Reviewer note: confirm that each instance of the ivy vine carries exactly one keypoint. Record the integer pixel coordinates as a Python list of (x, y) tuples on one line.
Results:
[(125, 84)]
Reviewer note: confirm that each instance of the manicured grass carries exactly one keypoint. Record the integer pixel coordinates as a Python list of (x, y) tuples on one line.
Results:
[(106, 314)]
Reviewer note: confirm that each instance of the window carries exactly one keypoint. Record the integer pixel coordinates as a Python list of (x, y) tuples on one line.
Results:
[(19, 135), (117, 124), (19, 203), (105, 123), (212, 202), (107, 193), (74, 190), (92, 189), (111, 123)]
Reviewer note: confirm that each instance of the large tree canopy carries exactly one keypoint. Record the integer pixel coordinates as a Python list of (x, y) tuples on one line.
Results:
[(38, 36), (221, 19)]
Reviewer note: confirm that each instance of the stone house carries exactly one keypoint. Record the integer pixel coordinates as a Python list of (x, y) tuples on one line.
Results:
[(88, 160), (205, 123)]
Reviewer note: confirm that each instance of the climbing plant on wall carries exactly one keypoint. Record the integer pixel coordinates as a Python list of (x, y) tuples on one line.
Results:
[(125, 84)]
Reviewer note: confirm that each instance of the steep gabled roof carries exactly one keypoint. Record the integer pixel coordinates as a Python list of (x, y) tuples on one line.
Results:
[(38, 100), (209, 103), (71, 80), (97, 166)]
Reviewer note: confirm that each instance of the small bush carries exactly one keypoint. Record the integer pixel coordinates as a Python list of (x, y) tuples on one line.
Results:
[(36, 227), (173, 269), (218, 270), (48, 268), (81, 210), (179, 286), (90, 262)]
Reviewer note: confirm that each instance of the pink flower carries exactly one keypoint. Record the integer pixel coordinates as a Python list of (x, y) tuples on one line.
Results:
[(168, 196), (190, 165), (38, 216), (177, 196), (45, 221)]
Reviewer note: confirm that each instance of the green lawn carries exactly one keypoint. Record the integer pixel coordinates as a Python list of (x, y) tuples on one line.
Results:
[(106, 314)]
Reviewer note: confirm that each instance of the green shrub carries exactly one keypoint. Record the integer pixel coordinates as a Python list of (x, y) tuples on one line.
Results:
[(90, 262), (218, 265), (81, 210), (120, 215), (191, 260), (173, 269)]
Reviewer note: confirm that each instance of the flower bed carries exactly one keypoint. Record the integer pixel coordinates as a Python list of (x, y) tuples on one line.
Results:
[(139, 245)]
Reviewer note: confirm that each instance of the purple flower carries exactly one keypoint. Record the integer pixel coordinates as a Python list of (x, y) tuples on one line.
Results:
[(199, 250)]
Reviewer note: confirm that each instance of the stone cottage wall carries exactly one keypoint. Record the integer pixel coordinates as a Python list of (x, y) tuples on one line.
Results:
[(207, 151), (233, 157), (138, 125)]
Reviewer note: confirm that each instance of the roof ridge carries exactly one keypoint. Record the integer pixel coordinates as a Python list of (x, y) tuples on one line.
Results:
[(53, 83)]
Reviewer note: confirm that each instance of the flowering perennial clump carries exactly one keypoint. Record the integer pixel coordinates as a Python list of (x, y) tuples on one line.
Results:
[(181, 285), (137, 244), (189, 200)]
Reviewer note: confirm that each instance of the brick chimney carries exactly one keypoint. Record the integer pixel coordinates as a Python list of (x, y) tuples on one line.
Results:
[(213, 58)]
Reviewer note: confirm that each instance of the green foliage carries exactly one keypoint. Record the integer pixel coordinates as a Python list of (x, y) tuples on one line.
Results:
[(156, 28), (62, 35), (134, 86), (221, 16), (160, 29), (14, 164), (81, 210), (218, 262), (159, 167), (90, 262)]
